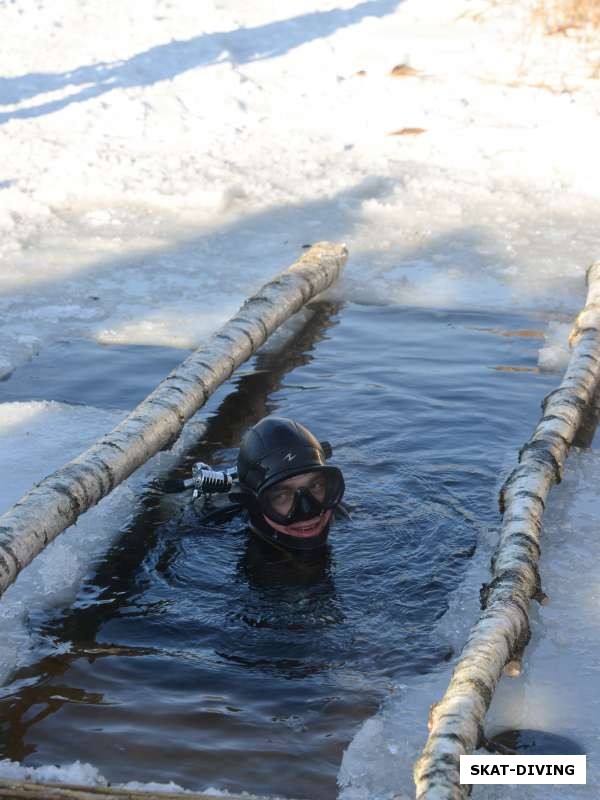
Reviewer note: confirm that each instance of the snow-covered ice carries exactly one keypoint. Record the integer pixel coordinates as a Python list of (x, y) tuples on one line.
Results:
[(160, 162), (152, 151)]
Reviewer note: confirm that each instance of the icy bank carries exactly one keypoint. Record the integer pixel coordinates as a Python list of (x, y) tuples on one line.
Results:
[(37, 437), (561, 670)]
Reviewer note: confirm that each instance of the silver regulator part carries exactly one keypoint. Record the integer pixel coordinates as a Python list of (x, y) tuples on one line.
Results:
[(207, 481)]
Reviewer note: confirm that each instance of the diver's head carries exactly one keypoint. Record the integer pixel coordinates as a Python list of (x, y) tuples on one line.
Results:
[(290, 490)]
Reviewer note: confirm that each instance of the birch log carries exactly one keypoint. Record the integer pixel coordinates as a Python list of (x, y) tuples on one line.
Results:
[(56, 502), (502, 630)]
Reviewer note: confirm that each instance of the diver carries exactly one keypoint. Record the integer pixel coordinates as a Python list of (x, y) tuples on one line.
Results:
[(282, 481)]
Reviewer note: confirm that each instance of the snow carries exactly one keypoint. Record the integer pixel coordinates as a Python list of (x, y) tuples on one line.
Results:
[(79, 774), (76, 773), (82, 774), (159, 164)]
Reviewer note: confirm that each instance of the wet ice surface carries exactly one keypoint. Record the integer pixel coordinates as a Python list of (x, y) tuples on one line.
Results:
[(37, 437), (220, 664)]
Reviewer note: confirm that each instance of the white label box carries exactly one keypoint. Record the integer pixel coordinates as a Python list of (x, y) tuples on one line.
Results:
[(522, 769)]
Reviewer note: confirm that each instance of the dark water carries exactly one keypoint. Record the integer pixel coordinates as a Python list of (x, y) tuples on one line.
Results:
[(197, 655), (117, 376)]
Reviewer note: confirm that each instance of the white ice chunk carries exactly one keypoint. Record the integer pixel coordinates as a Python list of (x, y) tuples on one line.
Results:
[(554, 355), (80, 774)]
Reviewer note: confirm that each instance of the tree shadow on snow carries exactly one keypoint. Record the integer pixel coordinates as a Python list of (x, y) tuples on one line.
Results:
[(236, 258), (166, 61)]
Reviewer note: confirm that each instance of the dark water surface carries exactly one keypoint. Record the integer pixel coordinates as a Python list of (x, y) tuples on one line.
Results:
[(197, 655)]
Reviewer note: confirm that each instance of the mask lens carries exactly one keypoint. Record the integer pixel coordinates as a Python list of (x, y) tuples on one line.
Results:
[(279, 499), (334, 487), (323, 489)]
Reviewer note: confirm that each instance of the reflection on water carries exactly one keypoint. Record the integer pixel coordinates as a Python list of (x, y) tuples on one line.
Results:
[(530, 743), (200, 655)]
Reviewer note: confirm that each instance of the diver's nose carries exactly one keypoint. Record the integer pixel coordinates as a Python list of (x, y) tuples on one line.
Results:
[(306, 503)]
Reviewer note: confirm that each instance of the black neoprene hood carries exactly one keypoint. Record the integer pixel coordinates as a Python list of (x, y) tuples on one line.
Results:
[(277, 448), (273, 450)]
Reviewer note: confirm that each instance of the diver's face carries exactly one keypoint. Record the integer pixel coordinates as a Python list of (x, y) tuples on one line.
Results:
[(281, 496), (281, 499)]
